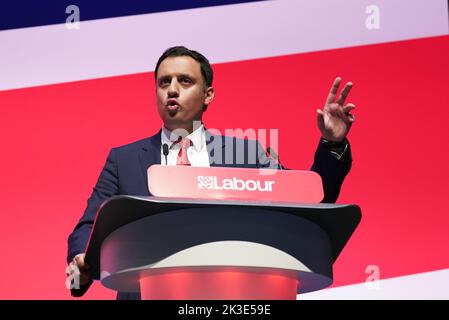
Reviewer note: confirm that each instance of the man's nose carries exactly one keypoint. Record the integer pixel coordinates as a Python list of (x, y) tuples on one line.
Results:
[(173, 89)]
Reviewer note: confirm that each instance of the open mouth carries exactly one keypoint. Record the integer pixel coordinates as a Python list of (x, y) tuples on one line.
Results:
[(172, 105)]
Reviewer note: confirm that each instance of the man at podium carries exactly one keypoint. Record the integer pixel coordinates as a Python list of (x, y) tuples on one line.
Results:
[(184, 91)]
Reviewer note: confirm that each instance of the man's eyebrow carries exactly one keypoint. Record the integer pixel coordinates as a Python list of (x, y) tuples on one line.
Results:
[(185, 75), (163, 76), (177, 75)]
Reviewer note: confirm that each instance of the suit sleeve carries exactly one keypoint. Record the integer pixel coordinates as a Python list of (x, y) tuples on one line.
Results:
[(332, 171), (106, 186)]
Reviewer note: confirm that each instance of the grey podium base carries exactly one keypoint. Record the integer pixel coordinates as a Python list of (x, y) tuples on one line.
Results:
[(135, 237)]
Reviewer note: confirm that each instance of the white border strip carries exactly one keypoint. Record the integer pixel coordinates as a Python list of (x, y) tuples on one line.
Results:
[(127, 45), (422, 286)]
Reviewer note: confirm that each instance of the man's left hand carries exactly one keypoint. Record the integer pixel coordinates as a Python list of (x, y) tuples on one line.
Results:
[(335, 120)]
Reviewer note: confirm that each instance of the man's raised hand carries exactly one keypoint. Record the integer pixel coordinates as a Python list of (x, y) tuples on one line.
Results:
[(335, 120)]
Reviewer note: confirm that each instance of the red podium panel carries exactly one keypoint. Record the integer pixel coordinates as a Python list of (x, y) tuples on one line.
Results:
[(235, 184), (220, 284)]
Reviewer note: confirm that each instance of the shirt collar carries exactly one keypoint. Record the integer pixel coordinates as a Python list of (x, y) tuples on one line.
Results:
[(198, 137)]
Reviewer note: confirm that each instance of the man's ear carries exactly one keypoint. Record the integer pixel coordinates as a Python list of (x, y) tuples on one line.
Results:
[(208, 97)]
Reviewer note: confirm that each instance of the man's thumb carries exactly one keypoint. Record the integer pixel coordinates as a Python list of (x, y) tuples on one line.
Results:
[(79, 259), (320, 118)]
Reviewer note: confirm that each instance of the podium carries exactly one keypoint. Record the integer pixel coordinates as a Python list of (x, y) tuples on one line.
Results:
[(190, 248)]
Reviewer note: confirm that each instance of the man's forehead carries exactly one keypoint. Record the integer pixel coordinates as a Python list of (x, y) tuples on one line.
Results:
[(179, 65)]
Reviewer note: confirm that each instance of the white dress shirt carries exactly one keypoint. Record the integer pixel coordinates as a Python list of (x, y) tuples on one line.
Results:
[(197, 153)]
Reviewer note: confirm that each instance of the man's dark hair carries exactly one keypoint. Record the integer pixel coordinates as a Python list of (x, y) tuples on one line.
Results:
[(179, 51)]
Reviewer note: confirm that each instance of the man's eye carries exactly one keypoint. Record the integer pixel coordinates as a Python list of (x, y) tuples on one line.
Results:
[(185, 80), (164, 81)]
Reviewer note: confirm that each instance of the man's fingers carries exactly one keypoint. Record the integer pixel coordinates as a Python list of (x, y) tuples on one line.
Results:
[(79, 260), (347, 108), (333, 91), (344, 93), (351, 117), (78, 267), (72, 269), (68, 270)]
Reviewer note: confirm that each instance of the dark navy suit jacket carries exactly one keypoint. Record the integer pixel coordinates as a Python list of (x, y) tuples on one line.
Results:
[(125, 173)]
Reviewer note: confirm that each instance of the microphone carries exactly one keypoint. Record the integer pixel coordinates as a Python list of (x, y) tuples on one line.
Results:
[(165, 152), (273, 155)]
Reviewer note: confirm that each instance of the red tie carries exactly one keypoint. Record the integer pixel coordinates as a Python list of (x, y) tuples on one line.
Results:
[(183, 160)]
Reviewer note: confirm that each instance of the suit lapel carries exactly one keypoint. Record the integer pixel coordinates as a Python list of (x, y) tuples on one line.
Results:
[(212, 142), (150, 154)]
